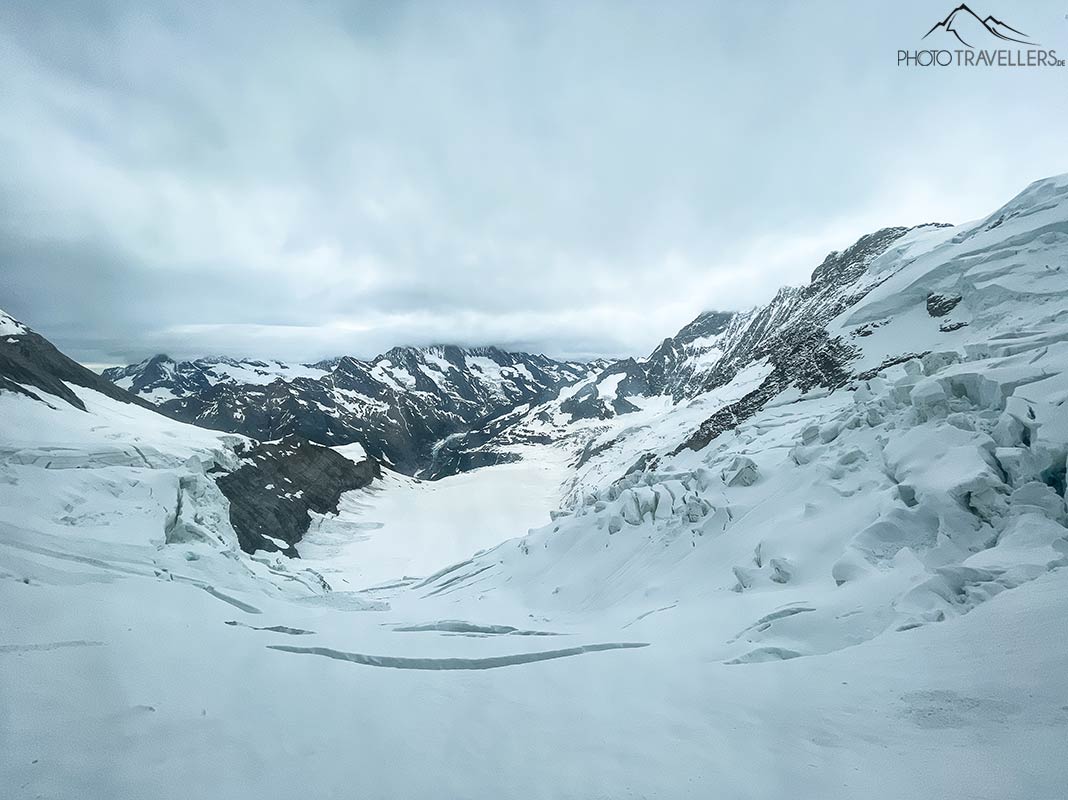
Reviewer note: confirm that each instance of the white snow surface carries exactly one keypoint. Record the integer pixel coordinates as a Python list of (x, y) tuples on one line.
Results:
[(607, 386), (260, 373), (401, 526), (854, 594), (354, 452), (29, 427)]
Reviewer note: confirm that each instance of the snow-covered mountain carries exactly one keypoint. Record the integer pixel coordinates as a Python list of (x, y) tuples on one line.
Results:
[(816, 549), (161, 378), (398, 406), (58, 415), (30, 365), (788, 336), (722, 369), (940, 412)]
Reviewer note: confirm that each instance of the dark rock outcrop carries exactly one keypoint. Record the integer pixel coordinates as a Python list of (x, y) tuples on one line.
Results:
[(588, 402), (279, 483), (938, 305), (796, 315), (807, 358), (949, 327)]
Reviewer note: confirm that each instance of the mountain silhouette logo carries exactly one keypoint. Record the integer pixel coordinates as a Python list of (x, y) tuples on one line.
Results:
[(970, 29)]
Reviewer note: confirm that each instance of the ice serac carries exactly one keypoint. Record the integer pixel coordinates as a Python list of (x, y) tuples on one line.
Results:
[(400, 405)]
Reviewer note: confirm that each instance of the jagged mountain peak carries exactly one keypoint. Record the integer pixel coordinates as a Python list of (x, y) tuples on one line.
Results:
[(398, 404), (161, 378), (787, 342), (842, 267), (705, 324)]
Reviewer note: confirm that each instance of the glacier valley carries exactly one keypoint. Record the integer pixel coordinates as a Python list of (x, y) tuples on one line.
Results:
[(812, 550)]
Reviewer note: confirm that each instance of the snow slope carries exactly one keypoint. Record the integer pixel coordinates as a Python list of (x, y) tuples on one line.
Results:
[(30, 426)]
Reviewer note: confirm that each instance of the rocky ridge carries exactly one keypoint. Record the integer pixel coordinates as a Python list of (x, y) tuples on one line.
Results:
[(399, 406)]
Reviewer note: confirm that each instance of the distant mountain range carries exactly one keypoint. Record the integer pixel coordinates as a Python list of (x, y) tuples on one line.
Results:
[(399, 406), (434, 411)]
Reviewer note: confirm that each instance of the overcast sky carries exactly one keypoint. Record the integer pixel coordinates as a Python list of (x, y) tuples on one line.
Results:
[(578, 178)]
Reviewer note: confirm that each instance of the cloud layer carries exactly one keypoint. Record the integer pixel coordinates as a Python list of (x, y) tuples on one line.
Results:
[(302, 180)]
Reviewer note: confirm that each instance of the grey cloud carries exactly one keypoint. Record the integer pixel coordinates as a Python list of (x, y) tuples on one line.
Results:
[(305, 179)]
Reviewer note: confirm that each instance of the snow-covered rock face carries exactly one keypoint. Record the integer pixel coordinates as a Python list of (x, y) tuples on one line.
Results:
[(161, 378), (399, 405), (926, 478), (279, 485), (9, 326), (894, 295), (30, 365), (902, 500)]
